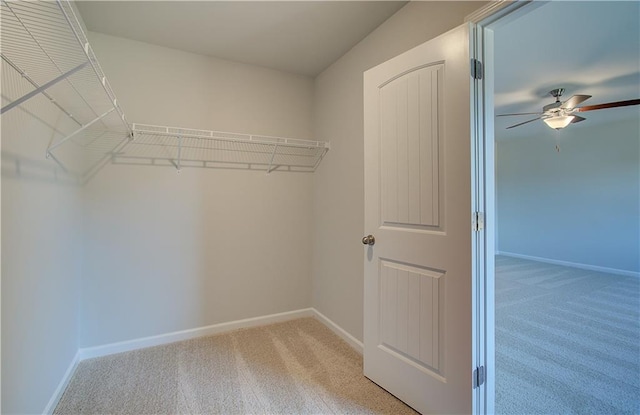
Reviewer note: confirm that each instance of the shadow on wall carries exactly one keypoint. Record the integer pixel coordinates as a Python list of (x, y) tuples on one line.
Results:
[(18, 167)]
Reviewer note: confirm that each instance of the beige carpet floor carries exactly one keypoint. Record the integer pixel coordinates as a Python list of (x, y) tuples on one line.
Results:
[(296, 367)]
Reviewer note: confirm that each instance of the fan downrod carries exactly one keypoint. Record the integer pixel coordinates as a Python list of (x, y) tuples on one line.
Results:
[(556, 93)]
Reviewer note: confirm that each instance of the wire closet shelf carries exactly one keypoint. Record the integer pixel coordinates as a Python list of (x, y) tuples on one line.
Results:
[(182, 147), (53, 88), (51, 79)]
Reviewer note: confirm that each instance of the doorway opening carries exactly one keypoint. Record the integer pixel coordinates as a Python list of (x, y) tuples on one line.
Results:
[(563, 286)]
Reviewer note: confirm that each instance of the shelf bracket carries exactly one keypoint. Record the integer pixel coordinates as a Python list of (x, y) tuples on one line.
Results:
[(41, 88), (273, 154), (84, 127), (179, 152), (320, 157), (57, 162)]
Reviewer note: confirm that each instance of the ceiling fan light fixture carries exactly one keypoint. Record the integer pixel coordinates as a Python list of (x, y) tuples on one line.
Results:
[(558, 114), (559, 122)]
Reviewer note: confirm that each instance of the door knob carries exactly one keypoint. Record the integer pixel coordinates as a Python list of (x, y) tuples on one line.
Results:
[(369, 240)]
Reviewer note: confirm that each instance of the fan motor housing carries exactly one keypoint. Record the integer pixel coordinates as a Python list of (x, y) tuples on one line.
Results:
[(551, 106)]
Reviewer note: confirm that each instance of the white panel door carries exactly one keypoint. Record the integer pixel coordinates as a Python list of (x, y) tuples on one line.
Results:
[(418, 317)]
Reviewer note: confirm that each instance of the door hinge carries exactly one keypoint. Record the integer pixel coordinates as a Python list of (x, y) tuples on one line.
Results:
[(477, 221), (479, 377), (477, 71)]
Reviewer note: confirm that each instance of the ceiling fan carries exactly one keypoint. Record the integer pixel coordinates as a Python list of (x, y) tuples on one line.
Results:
[(559, 114)]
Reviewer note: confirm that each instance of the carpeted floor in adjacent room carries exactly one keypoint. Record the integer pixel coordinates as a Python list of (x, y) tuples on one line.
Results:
[(296, 367), (567, 340)]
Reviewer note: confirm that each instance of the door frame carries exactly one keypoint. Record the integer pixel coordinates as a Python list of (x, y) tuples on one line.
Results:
[(484, 21)]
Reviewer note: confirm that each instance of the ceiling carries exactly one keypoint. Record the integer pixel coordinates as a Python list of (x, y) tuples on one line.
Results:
[(302, 37), (590, 48), (586, 47)]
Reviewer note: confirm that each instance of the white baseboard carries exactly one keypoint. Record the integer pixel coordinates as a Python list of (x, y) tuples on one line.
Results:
[(125, 346), (342, 333), (572, 264), (55, 398)]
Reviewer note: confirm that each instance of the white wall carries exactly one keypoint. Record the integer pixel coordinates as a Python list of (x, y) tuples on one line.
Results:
[(580, 205), (338, 261), (167, 251), (41, 251)]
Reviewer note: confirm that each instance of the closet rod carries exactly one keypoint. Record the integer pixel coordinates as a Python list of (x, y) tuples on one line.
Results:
[(40, 89), (35, 85)]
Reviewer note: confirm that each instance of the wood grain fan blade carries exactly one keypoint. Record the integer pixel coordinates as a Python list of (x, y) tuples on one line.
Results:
[(522, 123), (519, 113), (574, 101), (609, 105)]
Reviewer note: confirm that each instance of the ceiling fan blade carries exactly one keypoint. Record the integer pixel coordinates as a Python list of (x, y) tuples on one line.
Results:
[(577, 118), (520, 113), (609, 105), (574, 101), (522, 123)]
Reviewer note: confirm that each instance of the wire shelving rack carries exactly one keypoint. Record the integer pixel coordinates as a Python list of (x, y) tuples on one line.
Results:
[(51, 76), (184, 147)]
